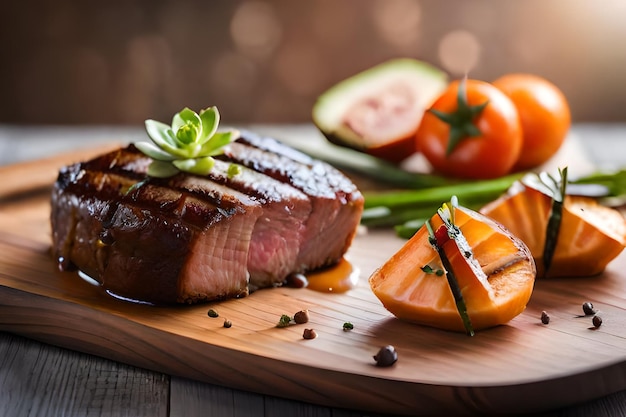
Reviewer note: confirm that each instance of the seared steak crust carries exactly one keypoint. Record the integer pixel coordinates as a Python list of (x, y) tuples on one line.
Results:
[(188, 238), (336, 202)]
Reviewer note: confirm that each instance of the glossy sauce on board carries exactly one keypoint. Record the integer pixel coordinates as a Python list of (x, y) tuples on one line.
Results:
[(336, 279)]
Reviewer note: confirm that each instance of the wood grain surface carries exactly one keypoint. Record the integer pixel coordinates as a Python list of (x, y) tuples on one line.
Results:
[(520, 367), (111, 389)]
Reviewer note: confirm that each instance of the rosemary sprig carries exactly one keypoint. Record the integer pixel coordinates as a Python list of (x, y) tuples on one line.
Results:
[(555, 188), (446, 213)]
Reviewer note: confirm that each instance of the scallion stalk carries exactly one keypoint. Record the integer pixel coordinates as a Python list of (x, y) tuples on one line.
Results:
[(477, 190), (369, 166)]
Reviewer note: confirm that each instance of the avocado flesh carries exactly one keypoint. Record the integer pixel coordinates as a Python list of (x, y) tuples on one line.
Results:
[(379, 106)]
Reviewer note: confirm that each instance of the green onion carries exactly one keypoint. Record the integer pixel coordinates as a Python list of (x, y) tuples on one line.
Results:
[(407, 229), (368, 166), (406, 210), (614, 182), (414, 197)]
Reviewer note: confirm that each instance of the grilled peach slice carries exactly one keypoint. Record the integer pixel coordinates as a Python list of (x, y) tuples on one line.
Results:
[(496, 277), (590, 235)]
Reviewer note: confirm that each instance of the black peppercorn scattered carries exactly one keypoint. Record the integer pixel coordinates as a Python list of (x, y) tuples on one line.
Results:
[(386, 356), (301, 317), (213, 313), (309, 334), (227, 323), (597, 321), (347, 326), (588, 309), (545, 318)]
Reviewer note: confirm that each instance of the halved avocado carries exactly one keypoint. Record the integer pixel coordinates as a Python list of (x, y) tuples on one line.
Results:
[(378, 111)]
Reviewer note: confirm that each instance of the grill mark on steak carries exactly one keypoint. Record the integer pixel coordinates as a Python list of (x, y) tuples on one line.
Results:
[(336, 202), (279, 231), (147, 244), (189, 238)]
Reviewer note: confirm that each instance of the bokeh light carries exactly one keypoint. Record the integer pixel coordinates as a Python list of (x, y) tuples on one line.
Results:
[(459, 52), (398, 22), (255, 29), (269, 60)]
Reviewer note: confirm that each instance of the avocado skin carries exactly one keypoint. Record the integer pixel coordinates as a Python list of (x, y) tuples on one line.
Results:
[(394, 152), (432, 82)]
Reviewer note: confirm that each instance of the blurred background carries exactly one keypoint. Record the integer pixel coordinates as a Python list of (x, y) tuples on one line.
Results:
[(266, 61)]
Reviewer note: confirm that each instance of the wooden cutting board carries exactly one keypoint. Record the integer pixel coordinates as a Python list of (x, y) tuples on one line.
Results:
[(524, 366)]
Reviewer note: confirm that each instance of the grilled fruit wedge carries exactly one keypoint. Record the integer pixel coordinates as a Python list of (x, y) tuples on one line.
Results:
[(496, 277), (379, 110), (590, 236)]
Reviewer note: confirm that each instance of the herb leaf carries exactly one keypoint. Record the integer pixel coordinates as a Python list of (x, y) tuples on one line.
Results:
[(154, 151), (446, 213), (199, 166), (161, 169), (210, 119), (189, 144), (284, 321), (215, 144), (554, 221), (161, 134), (556, 189)]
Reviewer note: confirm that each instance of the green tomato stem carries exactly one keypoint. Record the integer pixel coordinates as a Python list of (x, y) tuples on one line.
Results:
[(461, 120)]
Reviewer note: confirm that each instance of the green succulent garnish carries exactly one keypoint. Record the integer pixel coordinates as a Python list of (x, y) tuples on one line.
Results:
[(189, 144)]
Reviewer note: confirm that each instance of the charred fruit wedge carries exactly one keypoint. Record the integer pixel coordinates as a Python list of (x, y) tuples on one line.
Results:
[(589, 237), (494, 271), (379, 110)]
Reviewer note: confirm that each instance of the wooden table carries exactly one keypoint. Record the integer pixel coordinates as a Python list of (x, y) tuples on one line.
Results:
[(37, 379)]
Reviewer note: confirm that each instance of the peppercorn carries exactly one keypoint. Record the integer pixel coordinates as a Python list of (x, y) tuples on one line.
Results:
[(227, 323), (588, 309), (545, 318), (347, 326), (309, 334), (213, 313), (386, 356), (597, 321), (301, 317)]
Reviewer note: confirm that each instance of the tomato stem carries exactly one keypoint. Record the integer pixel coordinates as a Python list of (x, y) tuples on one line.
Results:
[(461, 120)]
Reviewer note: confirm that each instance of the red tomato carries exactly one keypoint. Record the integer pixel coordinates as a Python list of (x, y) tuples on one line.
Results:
[(544, 114), (490, 140)]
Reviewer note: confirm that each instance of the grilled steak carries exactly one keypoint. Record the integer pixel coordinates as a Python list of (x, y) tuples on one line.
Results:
[(189, 238)]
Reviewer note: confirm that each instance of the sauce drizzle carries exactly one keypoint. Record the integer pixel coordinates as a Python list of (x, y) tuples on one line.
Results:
[(336, 279)]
